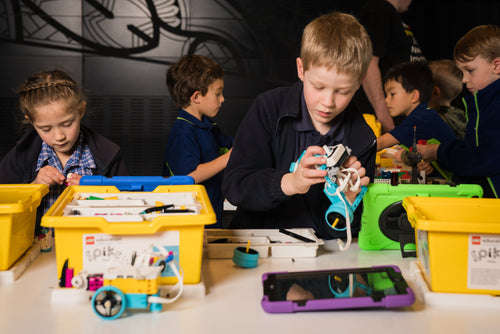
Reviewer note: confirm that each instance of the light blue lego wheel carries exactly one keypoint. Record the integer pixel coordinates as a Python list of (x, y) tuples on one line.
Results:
[(109, 302)]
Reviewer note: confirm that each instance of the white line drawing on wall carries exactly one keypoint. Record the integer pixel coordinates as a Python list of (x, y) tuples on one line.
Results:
[(157, 31)]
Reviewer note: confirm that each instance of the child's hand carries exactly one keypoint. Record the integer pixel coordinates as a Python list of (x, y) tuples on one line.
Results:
[(49, 175), (352, 162), (306, 174), (73, 179), (428, 151), (425, 166)]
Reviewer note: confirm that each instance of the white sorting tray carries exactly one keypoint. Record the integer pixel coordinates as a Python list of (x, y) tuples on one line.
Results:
[(220, 243)]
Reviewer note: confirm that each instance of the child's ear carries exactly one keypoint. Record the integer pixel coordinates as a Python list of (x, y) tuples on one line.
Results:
[(363, 78), (82, 109), (496, 65), (300, 68), (415, 96), (436, 91), (195, 97)]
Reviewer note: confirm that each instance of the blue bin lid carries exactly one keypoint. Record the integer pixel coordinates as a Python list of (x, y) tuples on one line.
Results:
[(135, 183)]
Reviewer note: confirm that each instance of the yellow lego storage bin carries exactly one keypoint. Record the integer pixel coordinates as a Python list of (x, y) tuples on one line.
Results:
[(458, 242), (97, 227), (18, 206)]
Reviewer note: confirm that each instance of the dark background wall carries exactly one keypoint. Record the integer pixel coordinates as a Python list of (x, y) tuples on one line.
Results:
[(118, 52)]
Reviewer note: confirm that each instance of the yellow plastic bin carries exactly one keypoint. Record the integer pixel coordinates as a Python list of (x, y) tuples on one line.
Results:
[(92, 240), (18, 206), (458, 242)]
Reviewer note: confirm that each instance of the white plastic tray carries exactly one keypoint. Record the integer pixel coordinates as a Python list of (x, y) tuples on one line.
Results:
[(429, 297), (220, 243), (21, 265), (129, 207)]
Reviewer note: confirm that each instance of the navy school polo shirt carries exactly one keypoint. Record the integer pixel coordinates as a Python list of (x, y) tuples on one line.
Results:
[(428, 125), (192, 142)]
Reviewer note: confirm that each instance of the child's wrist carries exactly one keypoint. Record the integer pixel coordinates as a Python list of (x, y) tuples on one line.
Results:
[(287, 184), (290, 186)]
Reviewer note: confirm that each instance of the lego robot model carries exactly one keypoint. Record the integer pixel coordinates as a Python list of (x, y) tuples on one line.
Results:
[(338, 179), (135, 285)]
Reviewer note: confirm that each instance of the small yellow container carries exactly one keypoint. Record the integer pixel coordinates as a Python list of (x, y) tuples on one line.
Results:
[(79, 238), (18, 206), (458, 242)]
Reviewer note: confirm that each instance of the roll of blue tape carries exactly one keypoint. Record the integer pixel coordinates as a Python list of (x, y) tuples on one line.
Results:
[(244, 259)]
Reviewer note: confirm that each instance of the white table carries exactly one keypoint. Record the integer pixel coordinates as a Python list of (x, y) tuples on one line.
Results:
[(232, 304)]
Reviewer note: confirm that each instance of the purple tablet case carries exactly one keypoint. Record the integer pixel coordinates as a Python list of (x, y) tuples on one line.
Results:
[(389, 301)]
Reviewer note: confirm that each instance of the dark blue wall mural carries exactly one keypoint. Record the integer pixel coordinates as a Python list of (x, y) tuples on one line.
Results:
[(146, 30), (119, 50)]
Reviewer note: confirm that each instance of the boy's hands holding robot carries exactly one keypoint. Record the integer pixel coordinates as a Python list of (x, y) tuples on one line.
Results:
[(305, 173), (49, 175), (318, 164), (345, 183)]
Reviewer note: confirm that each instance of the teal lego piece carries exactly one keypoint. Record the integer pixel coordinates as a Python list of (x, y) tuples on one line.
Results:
[(383, 213)]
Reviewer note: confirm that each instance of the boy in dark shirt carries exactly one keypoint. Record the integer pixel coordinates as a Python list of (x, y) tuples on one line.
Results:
[(408, 88), (284, 122), (196, 146), (476, 158)]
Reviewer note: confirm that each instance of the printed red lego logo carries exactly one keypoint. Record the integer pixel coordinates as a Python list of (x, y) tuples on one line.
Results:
[(90, 240), (476, 240)]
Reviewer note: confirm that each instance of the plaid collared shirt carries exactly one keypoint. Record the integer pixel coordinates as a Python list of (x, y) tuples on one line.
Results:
[(81, 162)]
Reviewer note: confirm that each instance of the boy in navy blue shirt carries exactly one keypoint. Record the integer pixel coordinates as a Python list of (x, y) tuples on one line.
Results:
[(286, 121), (196, 147), (408, 88), (476, 158)]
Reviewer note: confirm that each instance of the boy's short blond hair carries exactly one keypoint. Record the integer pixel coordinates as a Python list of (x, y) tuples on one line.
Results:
[(447, 77), (336, 40), (481, 41)]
